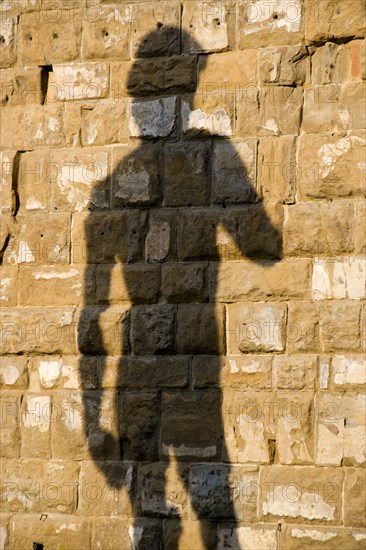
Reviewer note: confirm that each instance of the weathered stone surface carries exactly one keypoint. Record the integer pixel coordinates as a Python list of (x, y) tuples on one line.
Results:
[(109, 533), (161, 238), (277, 169), (39, 486), (107, 34), (348, 370), (264, 537), (333, 63), (186, 174), (8, 47), (138, 373), (45, 330), (154, 118), (8, 163), (201, 329), (53, 531), (247, 372), (10, 423), (341, 429), (210, 24), (8, 285), (181, 425), (304, 493), (189, 534), (36, 417), (354, 497), (153, 329), (295, 372), (103, 123), (265, 280), (79, 81), (302, 328), (14, 372), (210, 497), (243, 71), (52, 372), (340, 326), (319, 229), (136, 283), (267, 23), (360, 227), (33, 126), (331, 166), (285, 66), (208, 114), (255, 328), (331, 19), (21, 86), (64, 283), (102, 331), (185, 282), (339, 279), (49, 37), (318, 537), (36, 173)]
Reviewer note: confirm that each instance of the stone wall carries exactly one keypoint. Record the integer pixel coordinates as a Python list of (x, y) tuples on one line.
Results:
[(182, 248)]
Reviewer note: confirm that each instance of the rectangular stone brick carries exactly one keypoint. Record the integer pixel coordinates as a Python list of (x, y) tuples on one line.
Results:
[(340, 326), (201, 329), (213, 76), (64, 284), (277, 169), (284, 66), (213, 488), (268, 23), (38, 486), (211, 26), (247, 372), (249, 537), (109, 533), (153, 118), (319, 228), (185, 282), (14, 372), (8, 285), (36, 417), (103, 331), (256, 328), (190, 534), (161, 237), (345, 278), (331, 166), (40, 239), (302, 328), (86, 81), (334, 63), (103, 123), (348, 371), (66, 372), (149, 373), (208, 114), (49, 37), (301, 493), (360, 227), (295, 372), (331, 19), (8, 165), (206, 371), (136, 283), (341, 429), (10, 423), (33, 125), (354, 498), (21, 86), (8, 45), (153, 329), (36, 174), (320, 537), (42, 330), (264, 280), (74, 533), (107, 33)]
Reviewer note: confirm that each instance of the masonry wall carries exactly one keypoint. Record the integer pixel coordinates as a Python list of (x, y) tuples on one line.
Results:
[(266, 101)]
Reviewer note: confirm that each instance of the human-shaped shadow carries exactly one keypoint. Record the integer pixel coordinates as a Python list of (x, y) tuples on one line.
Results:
[(178, 202)]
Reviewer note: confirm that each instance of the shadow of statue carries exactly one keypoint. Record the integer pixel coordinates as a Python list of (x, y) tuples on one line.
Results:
[(180, 201)]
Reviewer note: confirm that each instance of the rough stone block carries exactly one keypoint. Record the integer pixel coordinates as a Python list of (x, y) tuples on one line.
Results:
[(185, 282), (318, 229), (360, 227), (40, 239), (44, 330), (248, 372), (345, 278), (155, 118), (331, 166), (256, 328), (21, 86), (209, 114), (319, 537), (8, 285), (66, 372), (189, 534), (354, 497), (48, 37), (249, 537), (213, 76), (182, 417), (201, 329), (137, 176), (36, 174), (295, 372), (136, 283), (8, 44), (330, 19), (14, 372), (301, 494), (103, 123), (218, 488), (340, 326), (153, 329), (284, 66), (161, 238), (148, 373), (336, 64), (39, 486), (277, 169), (341, 429), (206, 371), (65, 284), (280, 110), (348, 371), (302, 328), (210, 24), (82, 81), (103, 331), (36, 426), (8, 165), (268, 23), (186, 174), (109, 533), (10, 424), (107, 35)]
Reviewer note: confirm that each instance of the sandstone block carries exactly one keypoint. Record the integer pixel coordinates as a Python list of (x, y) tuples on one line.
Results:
[(8, 45), (330, 19), (295, 372), (149, 373), (36, 173), (161, 238), (339, 279), (10, 424), (280, 110), (189, 534), (103, 123), (21, 86), (263, 537), (277, 169), (302, 328), (182, 417), (8, 285), (264, 280), (109, 533), (234, 172), (255, 328), (336, 64), (185, 282), (186, 174), (86, 81), (137, 175), (348, 371), (14, 372), (360, 227), (213, 488), (49, 37), (34, 126), (74, 533), (318, 229), (247, 372), (36, 426), (210, 24), (153, 329), (136, 283), (107, 34), (98, 496), (154, 118), (155, 29), (8, 7), (214, 78), (301, 493), (38, 486), (103, 331), (65, 284), (284, 65), (341, 429), (206, 371), (354, 497), (8, 164), (44, 330), (331, 166), (201, 329), (339, 326), (208, 114), (268, 23), (40, 239), (319, 537), (66, 372)]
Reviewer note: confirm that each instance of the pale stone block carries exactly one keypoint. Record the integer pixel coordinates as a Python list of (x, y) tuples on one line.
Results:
[(208, 25), (21, 86), (14, 372), (284, 66), (263, 537), (349, 370), (107, 34), (152, 118), (318, 537), (8, 46), (334, 279), (85, 81), (331, 19)]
